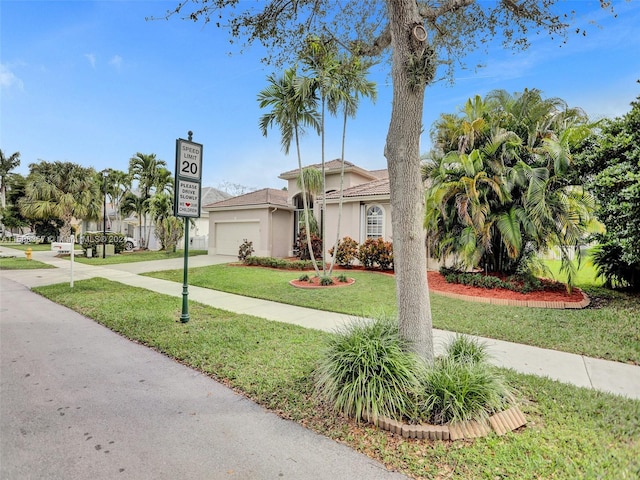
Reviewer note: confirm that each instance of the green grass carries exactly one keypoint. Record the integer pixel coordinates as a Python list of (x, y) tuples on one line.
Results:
[(35, 247), (21, 263), (587, 274), (611, 331), (139, 256), (572, 432)]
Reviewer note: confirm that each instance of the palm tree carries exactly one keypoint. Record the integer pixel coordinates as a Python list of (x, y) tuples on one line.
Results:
[(6, 165), (61, 190), (510, 197), (146, 169), (168, 228), (352, 84), (319, 58), (132, 203), (292, 112), (118, 184)]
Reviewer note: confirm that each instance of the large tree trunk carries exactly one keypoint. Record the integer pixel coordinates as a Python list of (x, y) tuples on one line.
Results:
[(402, 151)]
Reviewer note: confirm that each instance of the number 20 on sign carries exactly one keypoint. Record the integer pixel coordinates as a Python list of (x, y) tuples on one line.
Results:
[(189, 164)]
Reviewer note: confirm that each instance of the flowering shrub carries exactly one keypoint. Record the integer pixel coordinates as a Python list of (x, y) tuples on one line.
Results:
[(303, 248), (245, 250), (376, 252), (347, 252)]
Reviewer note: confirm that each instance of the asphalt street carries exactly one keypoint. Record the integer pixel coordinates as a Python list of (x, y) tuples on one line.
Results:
[(78, 401)]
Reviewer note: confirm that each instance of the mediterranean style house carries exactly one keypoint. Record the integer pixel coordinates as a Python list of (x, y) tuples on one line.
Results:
[(270, 218)]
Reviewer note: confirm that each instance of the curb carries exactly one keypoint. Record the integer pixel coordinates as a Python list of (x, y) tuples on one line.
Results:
[(585, 302), (501, 423)]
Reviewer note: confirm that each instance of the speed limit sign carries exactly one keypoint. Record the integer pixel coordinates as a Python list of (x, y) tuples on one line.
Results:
[(188, 159), (187, 178)]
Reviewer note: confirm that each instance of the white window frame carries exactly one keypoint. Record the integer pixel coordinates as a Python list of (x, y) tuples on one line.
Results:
[(379, 225)]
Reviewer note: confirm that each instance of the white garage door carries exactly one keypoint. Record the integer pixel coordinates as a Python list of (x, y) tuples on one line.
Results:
[(229, 236)]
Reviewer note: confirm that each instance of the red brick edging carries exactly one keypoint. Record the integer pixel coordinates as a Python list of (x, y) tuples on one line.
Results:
[(517, 303), (501, 423)]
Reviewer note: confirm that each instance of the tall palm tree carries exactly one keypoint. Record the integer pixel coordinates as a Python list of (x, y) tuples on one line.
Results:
[(61, 190), (352, 84), (319, 59), (292, 112), (146, 170), (6, 165), (118, 184), (132, 203)]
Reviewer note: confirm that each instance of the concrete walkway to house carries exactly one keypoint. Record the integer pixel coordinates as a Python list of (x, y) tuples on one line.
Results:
[(604, 375)]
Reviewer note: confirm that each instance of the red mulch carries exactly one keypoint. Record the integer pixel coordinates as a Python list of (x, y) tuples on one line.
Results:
[(553, 293)]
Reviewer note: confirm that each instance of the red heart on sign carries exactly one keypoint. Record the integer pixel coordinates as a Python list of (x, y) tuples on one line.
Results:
[(188, 204)]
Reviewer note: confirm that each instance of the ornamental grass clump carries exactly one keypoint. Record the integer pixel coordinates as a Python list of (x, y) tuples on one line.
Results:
[(463, 348), (463, 386), (366, 371)]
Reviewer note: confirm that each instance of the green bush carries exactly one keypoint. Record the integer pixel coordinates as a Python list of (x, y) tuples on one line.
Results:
[(304, 278), (347, 252), (93, 239), (273, 262), (326, 280), (516, 283), (342, 278), (376, 252), (366, 371)]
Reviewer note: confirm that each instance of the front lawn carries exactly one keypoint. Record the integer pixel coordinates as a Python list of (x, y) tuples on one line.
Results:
[(572, 432), (21, 263), (610, 331), (137, 256)]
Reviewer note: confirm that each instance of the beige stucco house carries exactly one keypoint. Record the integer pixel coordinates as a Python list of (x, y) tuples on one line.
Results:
[(269, 217)]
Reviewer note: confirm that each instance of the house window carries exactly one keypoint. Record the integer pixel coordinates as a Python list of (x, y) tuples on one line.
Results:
[(375, 221)]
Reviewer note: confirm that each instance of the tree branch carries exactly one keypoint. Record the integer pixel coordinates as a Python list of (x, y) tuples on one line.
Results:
[(433, 13), (376, 48)]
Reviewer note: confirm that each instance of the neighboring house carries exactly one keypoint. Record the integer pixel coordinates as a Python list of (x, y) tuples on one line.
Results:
[(270, 218), (198, 234)]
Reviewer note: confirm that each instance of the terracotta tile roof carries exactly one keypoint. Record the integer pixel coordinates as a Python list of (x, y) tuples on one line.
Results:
[(375, 188), (382, 173), (332, 166), (266, 196)]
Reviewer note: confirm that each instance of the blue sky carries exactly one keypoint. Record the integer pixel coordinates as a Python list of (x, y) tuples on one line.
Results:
[(93, 82)]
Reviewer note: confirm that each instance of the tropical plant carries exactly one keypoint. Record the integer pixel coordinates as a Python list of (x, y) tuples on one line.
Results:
[(132, 203), (352, 84), (346, 253), (366, 371), (292, 112), (504, 195), (61, 190), (118, 183), (148, 171), (245, 250), (168, 229), (7, 164)]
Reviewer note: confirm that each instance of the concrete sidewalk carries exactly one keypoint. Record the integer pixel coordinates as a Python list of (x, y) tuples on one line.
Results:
[(608, 376)]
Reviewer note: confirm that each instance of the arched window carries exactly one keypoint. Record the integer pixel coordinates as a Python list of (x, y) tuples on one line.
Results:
[(375, 221)]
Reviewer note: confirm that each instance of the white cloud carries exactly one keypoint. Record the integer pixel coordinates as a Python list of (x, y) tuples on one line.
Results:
[(8, 79), (116, 61), (92, 59)]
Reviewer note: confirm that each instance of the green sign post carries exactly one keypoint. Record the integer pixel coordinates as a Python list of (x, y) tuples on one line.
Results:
[(188, 177)]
